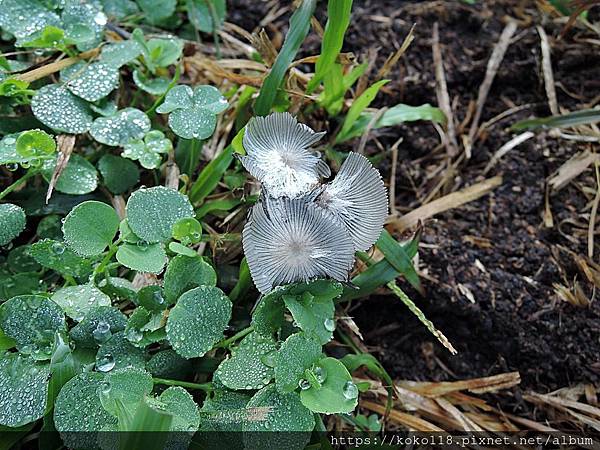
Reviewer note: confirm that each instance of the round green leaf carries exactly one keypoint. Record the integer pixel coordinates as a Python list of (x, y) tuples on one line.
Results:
[(250, 365), (77, 301), (163, 52), (198, 320), (92, 81), (12, 222), (184, 273), (78, 177), (59, 109), (23, 389), (298, 353), (90, 227), (287, 416), (151, 213), (314, 315), (222, 416), (98, 326), (25, 17), (78, 413), (181, 405), (57, 256), (120, 53), (153, 86), (126, 125), (118, 353), (119, 174), (32, 320), (142, 256), (35, 144), (188, 231), (125, 388), (336, 393)]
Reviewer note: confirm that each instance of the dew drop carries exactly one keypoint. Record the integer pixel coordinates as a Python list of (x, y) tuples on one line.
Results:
[(58, 248), (102, 332), (142, 245), (320, 374), (329, 324), (106, 363), (304, 384), (350, 390), (134, 335), (12, 166)]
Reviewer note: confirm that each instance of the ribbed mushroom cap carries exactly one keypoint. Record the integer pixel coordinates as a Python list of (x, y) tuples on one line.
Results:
[(279, 155), (357, 198), (289, 240)]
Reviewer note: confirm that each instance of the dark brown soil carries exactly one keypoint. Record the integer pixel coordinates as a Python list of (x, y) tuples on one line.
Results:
[(497, 247)]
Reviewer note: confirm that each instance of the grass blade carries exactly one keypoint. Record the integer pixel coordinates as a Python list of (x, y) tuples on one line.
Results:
[(358, 106), (399, 258), (299, 27), (395, 116), (338, 18), (210, 176), (583, 117)]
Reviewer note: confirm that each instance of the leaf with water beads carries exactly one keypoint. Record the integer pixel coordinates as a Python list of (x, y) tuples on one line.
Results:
[(120, 53), (59, 109), (20, 260), (124, 389), (250, 365), (12, 222), (92, 81), (24, 17), (196, 323), (153, 86), (117, 130), (78, 413), (23, 389), (77, 301), (145, 327), (119, 174), (118, 353), (57, 256), (32, 320), (49, 37), (168, 364), (149, 150), (35, 144), (151, 213), (298, 353), (8, 152), (77, 178), (186, 418), (143, 257), (330, 389), (285, 415), (83, 23), (314, 315), (184, 273), (193, 113), (90, 227), (98, 326), (222, 416)]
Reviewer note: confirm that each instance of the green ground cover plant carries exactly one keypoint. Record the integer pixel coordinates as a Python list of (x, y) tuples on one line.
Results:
[(115, 313)]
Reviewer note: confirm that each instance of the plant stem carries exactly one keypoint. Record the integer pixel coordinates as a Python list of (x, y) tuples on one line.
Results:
[(206, 387), (240, 334), (104, 263), (16, 184)]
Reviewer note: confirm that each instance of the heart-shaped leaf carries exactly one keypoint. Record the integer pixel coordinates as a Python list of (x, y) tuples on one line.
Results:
[(298, 353), (152, 212), (193, 113), (198, 320), (56, 107), (126, 125), (250, 365), (90, 227), (12, 222)]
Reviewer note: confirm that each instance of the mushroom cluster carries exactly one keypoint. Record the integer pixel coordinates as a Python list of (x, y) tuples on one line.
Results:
[(302, 229)]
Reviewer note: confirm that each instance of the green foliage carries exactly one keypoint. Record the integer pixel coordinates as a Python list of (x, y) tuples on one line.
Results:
[(56, 107), (90, 82), (35, 144), (184, 273), (297, 354), (583, 117), (119, 129), (12, 222), (78, 177), (77, 301), (57, 256), (119, 174), (90, 227), (299, 27), (142, 256), (193, 113), (148, 151), (206, 15), (198, 320)]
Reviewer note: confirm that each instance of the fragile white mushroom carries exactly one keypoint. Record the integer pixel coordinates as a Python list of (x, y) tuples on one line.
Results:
[(356, 197), (279, 155), (289, 240)]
